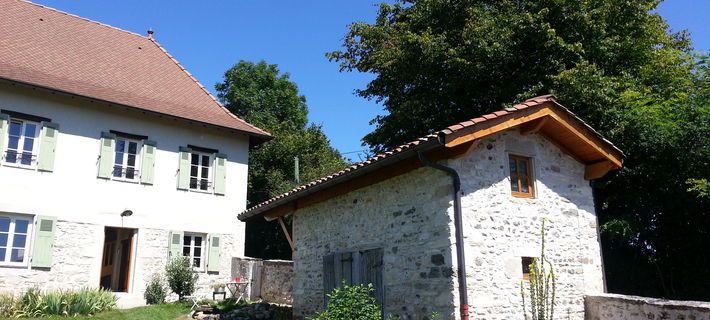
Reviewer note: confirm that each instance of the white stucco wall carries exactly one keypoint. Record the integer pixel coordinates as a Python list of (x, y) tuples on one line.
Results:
[(80, 200), (498, 230)]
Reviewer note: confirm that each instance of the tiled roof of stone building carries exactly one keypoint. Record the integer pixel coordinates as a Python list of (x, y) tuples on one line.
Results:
[(47, 48), (471, 129)]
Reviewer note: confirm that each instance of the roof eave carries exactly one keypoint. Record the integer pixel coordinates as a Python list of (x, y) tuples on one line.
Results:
[(255, 138)]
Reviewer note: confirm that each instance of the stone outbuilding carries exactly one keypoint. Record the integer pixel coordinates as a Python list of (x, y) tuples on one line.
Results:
[(449, 222)]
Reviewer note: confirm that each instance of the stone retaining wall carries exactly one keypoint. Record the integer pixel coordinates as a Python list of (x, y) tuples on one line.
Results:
[(269, 280), (615, 306)]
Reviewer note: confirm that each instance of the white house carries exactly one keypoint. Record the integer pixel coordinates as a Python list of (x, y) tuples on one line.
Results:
[(113, 158), (449, 223)]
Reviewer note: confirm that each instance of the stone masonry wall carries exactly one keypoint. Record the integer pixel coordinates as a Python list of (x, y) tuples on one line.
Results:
[(77, 254), (499, 229), (621, 307), (411, 217), (407, 217)]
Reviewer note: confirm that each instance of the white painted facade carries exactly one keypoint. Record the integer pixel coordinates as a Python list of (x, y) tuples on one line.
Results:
[(84, 204)]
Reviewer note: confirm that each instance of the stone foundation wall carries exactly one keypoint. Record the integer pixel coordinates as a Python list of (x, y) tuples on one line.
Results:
[(76, 261), (621, 307)]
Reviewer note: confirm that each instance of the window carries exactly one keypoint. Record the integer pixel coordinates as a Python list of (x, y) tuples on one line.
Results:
[(126, 159), (22, 142), (526, 262), (520, 176), (200, 171), (193, 247), (14, 239)]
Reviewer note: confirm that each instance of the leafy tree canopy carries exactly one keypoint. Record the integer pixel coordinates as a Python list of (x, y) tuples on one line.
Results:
[(266, 98), (616, 64)]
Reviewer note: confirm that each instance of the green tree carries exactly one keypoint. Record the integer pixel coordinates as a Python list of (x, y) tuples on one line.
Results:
[(616, 64), (266, 98), (181, 277)]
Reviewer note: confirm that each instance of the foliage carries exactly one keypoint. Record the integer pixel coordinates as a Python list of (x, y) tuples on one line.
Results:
[(351, 302), (162, 311), (181, 277), (615, 64), (541, 285), (261, 95), (34, 303), (218, 285), (156, 291), (230, 304)]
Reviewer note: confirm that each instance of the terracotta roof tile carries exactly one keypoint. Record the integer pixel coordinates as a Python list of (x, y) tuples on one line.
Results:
[(451, 129), (48, 48)]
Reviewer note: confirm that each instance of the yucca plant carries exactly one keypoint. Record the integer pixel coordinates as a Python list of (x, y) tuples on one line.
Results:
[(7, 305), (541, 285)]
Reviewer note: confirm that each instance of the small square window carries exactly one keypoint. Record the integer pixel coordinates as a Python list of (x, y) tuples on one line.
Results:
[(201, 171), (526, 262), (521, 180), (193, 248), (15, 233), (22, 143), (126, 159)]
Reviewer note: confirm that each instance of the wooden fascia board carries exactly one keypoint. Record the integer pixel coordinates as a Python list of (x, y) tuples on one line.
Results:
[(598, 169), (401, 167), (528, 115)]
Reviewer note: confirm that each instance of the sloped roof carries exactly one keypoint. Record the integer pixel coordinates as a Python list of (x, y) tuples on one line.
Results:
[(532, 111), (44, 47)]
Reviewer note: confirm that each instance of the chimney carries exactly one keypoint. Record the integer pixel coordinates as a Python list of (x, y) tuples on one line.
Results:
[(150, 33)]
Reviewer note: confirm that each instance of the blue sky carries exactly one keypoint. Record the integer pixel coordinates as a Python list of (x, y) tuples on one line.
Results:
[(210, 37)]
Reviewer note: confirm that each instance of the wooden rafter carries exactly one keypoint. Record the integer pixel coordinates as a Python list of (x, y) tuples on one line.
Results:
[(286, 233)]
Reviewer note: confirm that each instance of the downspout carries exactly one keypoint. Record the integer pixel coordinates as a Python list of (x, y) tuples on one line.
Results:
[(458, 225)]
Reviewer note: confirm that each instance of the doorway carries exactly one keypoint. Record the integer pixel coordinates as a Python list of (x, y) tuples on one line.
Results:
[(116, 259)]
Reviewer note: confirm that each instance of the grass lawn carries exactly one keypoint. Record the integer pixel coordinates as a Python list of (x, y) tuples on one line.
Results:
[(154, 312)]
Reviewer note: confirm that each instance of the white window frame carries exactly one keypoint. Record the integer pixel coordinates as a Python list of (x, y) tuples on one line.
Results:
[(21, 143), (200, 165), (4, 261), (124, 162), (203, 249)]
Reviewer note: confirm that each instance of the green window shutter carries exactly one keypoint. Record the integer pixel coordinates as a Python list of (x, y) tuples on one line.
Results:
[(328, 276), (213, 262), (4, 119), (148, 163), (44, 241), (184, 168), (48, 145), (175, 244), (220, 173), (108, 144)]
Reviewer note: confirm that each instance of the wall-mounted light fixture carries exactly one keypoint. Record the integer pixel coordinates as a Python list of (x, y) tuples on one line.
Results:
[(126, 213)]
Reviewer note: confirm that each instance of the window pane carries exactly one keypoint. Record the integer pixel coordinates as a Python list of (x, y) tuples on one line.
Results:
[(131, 160), (203, 184), (4, 224), (130, 173), (119, 158), (21, 226), (29, 144), (120, 145), (18, 255), (198, 242), (2, 254), (206, 161), (19, 241), (186, 251), (198, 252), (205, 172), (187, 240), (523, 167), (193, 183), (26, 158), (195, 159), (514, 184), (15, 128), (511, 164), (524, 185), (132, 147), (193, 171), (13, 142), (196, 262), (30, 130), (117, 171), (3, 239)]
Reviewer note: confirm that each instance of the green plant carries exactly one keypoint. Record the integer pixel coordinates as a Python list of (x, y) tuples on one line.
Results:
[(230, 304), (353, 303), (7, 305), (541, 286), (218, 285), (156, 291), (181, 277), (34, 303)]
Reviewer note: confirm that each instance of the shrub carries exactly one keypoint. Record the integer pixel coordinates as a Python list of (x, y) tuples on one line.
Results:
[(156, 291), (353, 303), (34, 303), (181, 277)]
